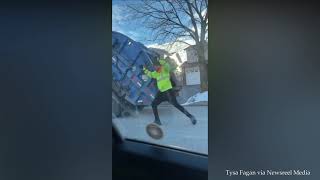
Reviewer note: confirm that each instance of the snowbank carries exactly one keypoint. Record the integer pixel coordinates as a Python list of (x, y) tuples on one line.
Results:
[(199, 97)]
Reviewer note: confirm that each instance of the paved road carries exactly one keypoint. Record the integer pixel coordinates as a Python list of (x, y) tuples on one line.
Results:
[(178, 130)]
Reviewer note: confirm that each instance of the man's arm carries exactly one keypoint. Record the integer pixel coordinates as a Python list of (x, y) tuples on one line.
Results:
[(151, 74)]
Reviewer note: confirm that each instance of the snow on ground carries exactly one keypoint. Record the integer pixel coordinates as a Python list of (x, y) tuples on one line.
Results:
[(199, 97)]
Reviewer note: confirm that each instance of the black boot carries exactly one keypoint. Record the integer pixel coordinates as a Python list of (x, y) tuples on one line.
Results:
[(193, 120), (157, 121)]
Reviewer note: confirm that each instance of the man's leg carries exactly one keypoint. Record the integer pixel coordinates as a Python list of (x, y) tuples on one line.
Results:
[(154, 105), (174, 102)]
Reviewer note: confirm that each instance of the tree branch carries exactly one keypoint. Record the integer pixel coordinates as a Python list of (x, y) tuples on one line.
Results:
[(193, 21), (167, 19)]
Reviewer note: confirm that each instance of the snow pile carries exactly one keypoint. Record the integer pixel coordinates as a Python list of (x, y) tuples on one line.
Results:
[(199, 97)]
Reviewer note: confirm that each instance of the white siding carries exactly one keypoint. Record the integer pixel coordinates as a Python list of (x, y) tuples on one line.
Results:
[(192, 75), (179, 57), (192, 55)]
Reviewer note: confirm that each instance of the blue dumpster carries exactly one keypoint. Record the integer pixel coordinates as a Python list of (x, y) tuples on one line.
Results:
[(132, 89)]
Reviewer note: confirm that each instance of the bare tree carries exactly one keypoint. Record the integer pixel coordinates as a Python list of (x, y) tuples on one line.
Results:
[(176, 21)]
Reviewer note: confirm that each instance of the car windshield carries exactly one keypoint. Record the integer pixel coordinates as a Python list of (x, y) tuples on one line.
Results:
[(160, 91)]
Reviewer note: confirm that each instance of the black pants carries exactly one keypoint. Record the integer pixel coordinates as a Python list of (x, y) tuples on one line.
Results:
[(171, 98)]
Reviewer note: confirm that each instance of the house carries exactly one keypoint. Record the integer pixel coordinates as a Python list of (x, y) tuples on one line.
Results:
[(191, 68), (161, 52)]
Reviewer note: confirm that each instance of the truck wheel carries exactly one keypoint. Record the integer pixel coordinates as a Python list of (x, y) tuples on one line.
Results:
[(116, 107), (125, 113), (140, 108)]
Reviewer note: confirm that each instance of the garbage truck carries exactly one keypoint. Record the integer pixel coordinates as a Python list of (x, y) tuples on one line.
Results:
[(131, 89)]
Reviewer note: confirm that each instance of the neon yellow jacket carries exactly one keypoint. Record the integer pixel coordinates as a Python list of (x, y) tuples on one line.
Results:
[(163, 78)]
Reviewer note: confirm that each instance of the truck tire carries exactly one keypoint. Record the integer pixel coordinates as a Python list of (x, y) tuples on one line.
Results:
[(140, 108), (125, 113), (116, 107)]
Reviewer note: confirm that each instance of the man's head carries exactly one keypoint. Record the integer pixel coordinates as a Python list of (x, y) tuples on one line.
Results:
[(162, 61), (159, 64), (158, 68)]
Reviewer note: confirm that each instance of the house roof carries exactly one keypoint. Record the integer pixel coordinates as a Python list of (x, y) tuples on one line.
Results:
[(172, 48)]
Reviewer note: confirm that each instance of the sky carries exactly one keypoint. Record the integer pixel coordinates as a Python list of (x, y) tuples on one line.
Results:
[(122, 24)]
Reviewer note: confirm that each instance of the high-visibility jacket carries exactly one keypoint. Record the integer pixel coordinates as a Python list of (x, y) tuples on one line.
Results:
[(162, 77)]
